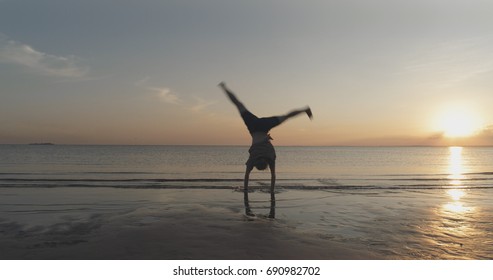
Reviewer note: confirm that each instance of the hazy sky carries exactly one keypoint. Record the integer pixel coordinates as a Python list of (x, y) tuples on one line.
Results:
[(382, 72)]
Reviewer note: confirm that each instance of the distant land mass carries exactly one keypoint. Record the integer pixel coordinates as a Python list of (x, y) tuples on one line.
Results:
[(42, 144)]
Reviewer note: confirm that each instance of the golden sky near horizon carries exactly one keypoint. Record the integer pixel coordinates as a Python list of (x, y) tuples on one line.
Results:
[(123, 72)]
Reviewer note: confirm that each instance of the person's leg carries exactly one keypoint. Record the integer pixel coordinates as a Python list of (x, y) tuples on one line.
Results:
[(294, 113), (248, 211), (266, 124), (233, 98), (249, 119)]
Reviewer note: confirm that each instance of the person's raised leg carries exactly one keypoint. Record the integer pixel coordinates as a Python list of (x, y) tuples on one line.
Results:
[(294, 113), (233, 98)]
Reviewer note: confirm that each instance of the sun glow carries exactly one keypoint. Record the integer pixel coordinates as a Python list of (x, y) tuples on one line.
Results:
[(458, 122)]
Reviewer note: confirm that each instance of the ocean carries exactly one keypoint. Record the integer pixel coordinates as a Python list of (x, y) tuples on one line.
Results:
[(223, 167), (398, 202)]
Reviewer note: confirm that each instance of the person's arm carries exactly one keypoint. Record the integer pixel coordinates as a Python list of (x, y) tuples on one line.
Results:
[(272, 167), (233, 98), (248, 211)]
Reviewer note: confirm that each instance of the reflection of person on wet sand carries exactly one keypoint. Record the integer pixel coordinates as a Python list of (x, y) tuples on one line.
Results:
[(262, 153)]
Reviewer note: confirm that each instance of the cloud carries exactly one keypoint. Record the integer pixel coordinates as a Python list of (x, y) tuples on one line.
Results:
[(193, 103), (162, 93), (201, 104), (455, 62), (47, 64), (484, 137), (165, 95)]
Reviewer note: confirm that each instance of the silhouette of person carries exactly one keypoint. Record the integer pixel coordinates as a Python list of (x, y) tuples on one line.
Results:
[(262, 152)]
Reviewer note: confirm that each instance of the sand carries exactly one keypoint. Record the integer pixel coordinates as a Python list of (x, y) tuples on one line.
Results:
[(199, 224), (108, 223)]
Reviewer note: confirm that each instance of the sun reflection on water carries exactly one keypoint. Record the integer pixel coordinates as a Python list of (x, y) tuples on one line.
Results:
[(456, 206), (456, 175), (456, 168), (456, 194), (453, 229)]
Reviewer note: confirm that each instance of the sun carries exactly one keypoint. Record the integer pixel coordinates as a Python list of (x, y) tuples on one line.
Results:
[(458, 122)]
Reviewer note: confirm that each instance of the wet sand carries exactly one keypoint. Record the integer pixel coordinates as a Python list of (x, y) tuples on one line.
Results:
[(109, 223), (122, 223)]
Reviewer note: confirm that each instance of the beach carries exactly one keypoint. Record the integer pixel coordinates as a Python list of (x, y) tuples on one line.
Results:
[(109, 223), (66, 223)]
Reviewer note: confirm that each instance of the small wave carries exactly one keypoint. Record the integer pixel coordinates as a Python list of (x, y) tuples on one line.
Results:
[(54, 180), (487, 173), (155, 181), (115, 180), (235, 188), (438, 179), (479, 173)]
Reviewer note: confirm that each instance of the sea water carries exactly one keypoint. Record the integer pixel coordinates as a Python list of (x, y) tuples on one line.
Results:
[(223, 167), (400, 202)]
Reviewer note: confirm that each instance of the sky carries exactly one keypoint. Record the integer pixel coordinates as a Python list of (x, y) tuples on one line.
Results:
[(383, 72)]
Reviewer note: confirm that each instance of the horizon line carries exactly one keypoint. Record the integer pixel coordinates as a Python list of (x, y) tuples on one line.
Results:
[(240, 145)]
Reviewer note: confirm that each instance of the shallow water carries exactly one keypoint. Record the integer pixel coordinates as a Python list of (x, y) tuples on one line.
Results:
[(223, 167), (400, 224)]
